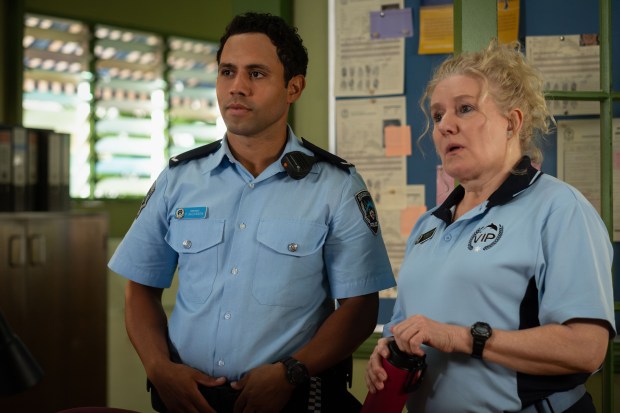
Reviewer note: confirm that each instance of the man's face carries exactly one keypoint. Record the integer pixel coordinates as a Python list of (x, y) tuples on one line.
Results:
[(251, 93)]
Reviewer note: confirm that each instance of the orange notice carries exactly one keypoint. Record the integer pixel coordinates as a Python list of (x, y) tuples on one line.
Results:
[(397, 140)]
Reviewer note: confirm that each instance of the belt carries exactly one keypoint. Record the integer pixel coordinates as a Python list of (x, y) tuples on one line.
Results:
[(557, 402)]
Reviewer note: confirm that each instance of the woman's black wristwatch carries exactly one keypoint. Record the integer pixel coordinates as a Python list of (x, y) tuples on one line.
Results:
[(480, 332)]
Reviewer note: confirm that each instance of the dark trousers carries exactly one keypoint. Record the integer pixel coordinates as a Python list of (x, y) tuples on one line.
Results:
[(326, 393)]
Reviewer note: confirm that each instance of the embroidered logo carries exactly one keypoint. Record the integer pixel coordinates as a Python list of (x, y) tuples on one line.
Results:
[(485, 237), (368, 210), (425, 237)]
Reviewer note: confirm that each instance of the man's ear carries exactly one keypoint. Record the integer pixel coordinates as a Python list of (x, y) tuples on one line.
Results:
[(295, 86)]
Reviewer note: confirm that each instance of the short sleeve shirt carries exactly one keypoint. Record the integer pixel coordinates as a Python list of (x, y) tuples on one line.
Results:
[(536, 252), (260, 259)]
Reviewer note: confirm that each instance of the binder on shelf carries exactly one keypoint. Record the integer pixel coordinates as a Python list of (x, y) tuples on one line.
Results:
[(65, 171), (50, 171), (6, 194), (13, 168), (32, 177)]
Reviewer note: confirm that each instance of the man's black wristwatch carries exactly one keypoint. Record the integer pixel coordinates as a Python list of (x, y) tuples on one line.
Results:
[(296, 371), (480, 332)]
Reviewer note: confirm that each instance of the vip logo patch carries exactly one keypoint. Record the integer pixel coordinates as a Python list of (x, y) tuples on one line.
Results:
[(485, 237), (368, 210)]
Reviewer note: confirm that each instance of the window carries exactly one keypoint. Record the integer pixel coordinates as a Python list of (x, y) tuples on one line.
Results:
[(128, 99)]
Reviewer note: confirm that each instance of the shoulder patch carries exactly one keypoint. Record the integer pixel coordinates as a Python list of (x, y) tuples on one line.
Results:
[(323, 155), (196, 153), (146, 198), (368, 210)]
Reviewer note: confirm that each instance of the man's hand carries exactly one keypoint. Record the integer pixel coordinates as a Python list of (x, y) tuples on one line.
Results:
[(263, 389), (177, 385)]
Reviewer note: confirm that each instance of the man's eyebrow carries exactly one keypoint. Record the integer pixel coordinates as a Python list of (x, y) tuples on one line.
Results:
[(251, 66)]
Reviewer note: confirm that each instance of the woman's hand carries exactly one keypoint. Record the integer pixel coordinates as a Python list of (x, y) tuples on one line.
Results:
[(416, 330), (375, 373)]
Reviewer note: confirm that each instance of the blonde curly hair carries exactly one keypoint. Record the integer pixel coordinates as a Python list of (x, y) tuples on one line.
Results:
[(510, 81)]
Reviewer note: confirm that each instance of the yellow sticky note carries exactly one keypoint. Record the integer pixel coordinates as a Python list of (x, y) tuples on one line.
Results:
[(397, 140)]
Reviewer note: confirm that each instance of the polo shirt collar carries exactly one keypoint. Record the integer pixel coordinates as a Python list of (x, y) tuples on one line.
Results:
[(510, 188)]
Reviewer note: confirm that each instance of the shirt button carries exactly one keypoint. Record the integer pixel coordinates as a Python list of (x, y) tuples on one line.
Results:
[(448, 237), (227, 316), (292, 247), (234, 271), (220, 363), (251, 185), (242, 226), (187, 244)]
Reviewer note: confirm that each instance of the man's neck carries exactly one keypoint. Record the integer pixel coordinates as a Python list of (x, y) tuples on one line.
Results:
[(257, 153)]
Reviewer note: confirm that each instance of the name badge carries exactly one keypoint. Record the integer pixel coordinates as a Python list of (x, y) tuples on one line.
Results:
[(191, 213)]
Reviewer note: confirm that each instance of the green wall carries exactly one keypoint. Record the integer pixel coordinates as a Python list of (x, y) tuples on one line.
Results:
[(206, 20), (191, 18)]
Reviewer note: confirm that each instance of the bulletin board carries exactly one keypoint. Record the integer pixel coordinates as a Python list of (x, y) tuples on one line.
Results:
[(537, 18)]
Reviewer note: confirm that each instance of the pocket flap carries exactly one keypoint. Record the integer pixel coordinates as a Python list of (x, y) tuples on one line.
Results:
[(289, 237), (189, 236)]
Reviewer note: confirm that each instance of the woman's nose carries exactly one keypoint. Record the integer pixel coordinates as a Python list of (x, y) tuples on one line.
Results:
[(447, 124)]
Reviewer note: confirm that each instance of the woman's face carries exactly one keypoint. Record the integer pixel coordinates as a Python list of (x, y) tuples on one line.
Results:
[(473, 139)]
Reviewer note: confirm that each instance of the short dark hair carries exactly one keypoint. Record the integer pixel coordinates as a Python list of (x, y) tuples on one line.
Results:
[(288, 43)]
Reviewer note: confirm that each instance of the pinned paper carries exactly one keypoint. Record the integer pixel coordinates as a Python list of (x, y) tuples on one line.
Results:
[(391, 24), (397, 140), (408, 217)]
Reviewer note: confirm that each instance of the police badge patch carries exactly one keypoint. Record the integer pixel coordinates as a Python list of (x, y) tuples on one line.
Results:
[(146, 199), (368, 210)]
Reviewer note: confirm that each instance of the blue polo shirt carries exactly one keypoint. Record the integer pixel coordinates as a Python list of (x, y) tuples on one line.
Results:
[(536, 252), (259, 260)]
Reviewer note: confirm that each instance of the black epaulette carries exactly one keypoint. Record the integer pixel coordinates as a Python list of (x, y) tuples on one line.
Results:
[(195, 153), (326, 156)]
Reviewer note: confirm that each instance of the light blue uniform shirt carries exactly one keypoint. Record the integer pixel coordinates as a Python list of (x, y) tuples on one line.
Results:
[(535, 253), (260, 260)]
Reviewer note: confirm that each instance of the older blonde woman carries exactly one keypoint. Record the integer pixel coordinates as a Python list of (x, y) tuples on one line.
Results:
[(508, 282)]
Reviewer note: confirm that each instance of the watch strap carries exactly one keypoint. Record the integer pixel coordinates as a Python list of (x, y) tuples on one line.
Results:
[(480, 333), (296, 371)]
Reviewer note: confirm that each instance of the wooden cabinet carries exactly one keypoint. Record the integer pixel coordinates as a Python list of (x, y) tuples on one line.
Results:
[(53, 293)]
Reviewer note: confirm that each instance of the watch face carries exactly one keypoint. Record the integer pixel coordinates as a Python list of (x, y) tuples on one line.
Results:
[(481, 330), (298, 374)]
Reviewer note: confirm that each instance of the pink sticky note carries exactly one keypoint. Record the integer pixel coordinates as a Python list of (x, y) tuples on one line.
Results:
[(397, 140), (408, 217)]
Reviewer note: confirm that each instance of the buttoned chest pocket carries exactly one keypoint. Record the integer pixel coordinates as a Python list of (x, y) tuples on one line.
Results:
[(289, 267), (197, 243)]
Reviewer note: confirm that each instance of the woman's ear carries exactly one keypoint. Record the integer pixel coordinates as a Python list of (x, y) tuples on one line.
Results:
[(515, 122)]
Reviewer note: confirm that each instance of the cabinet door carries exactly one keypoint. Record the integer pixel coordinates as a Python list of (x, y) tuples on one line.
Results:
[(12, 273), (55, 297), (86, 336)]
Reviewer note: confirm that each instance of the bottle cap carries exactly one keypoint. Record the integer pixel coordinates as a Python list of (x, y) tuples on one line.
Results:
[(414, 365)]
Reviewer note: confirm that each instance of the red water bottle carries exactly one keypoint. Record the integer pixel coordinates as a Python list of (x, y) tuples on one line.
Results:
[(405, 373)]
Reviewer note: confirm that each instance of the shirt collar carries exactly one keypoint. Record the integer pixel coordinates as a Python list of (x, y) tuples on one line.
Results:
[(223, 156), (513, 185)]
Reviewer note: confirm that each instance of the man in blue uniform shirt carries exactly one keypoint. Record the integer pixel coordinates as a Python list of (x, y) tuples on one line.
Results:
[(266, 231)]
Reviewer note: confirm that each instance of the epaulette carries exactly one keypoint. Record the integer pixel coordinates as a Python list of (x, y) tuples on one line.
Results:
[(326, 156), (195, 153)]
